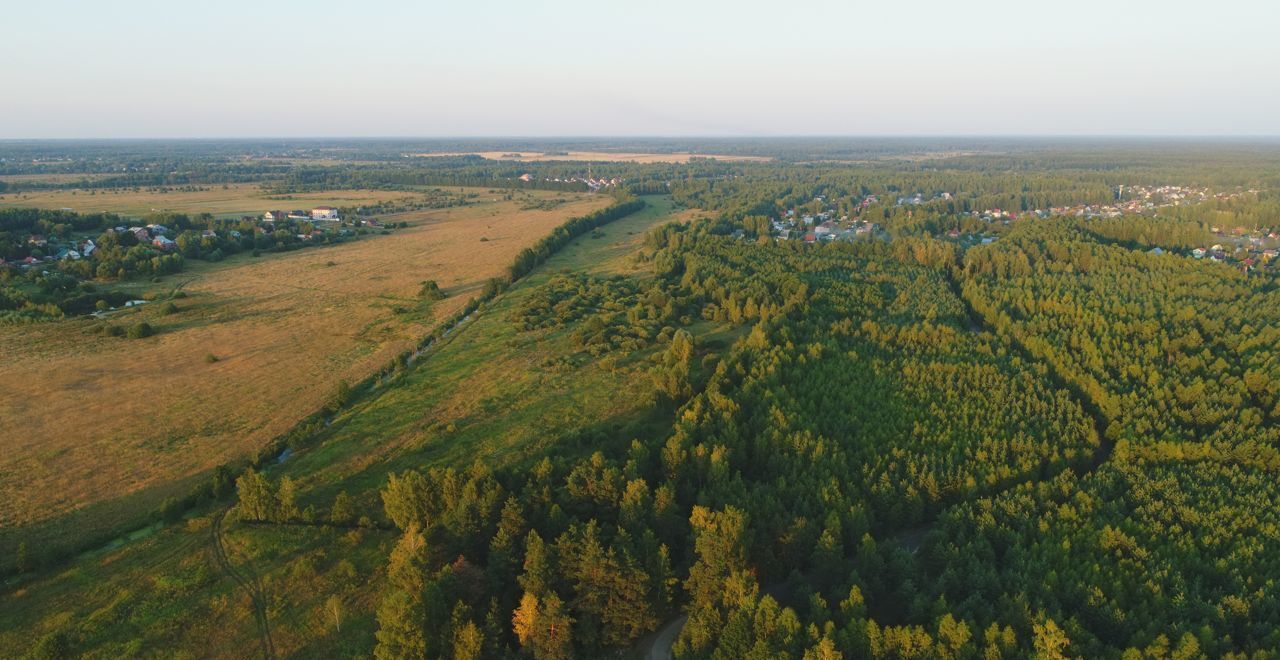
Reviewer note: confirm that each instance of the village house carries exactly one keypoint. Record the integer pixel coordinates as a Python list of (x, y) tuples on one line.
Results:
[(275, 216), (324, 213), (164, 243)]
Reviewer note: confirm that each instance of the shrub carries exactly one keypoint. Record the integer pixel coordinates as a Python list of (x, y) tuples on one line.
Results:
[(140, 330), (210, 358), (430, 291), (171, 509), (168, 308)]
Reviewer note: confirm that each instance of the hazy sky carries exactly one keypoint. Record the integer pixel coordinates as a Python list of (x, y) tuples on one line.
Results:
[(135, 68)]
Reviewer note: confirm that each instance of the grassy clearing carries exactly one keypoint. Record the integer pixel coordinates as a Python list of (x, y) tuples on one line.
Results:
[(104, 428), (487, 392), (494, 392), (166, 592)]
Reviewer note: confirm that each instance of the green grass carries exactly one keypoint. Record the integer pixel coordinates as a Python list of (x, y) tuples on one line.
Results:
[(490, 393)]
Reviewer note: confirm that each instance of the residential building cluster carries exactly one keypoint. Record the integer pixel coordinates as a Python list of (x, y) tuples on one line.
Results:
[(1129, 200), (822, 226), (593, 183)]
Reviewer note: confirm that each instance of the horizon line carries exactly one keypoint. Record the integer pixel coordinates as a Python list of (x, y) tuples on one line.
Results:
[(658, 136)]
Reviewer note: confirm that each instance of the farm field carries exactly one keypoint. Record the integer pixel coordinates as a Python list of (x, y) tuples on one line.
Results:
[(100, 430), (50, 178), (230, 199), (599, 156), (471, 395)]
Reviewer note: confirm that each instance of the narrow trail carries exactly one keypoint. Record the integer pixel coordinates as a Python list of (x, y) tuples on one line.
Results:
[(250, 584)]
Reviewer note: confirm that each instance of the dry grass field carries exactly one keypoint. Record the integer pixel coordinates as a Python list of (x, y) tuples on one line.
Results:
[(599, 156), (232, 199), (164, 590), (105, 428), (50, 178)]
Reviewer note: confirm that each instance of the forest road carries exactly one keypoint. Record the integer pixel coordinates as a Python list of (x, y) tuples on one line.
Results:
[(664, 638)]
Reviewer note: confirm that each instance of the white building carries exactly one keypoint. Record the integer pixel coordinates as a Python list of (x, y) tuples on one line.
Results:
[(324, 213)]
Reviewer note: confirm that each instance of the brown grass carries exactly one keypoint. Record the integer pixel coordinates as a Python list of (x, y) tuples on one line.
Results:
[(51, 177), (85, 418), (600, 156), (241, 198)]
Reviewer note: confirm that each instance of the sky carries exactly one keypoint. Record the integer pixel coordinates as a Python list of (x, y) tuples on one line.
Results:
[(433, 68)]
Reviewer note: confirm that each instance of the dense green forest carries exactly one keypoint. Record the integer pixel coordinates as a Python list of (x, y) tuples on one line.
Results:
[(1029, 415), (865, 397)]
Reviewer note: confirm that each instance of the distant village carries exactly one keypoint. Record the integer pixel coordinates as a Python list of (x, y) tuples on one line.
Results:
[(593, 183), (1140, 200), (297, 225), (1246, 249), (1238, 246), (825, 226)]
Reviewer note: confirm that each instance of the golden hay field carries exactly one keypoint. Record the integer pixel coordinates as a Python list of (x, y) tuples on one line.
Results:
[(86, 420), (599, 156), (236, 198), (50, 177)]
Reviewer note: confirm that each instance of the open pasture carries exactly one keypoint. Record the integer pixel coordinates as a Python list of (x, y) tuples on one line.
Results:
[(98, 430)]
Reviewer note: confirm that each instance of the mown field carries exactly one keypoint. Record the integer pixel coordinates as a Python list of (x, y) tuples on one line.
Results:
[(97, 431), (489, 391), (220, 200), (599, 156)]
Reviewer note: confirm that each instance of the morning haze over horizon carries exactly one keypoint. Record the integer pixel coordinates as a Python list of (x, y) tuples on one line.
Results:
[(292, 69)]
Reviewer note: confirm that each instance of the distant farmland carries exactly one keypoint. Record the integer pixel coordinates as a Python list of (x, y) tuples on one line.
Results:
[(599, 156), (96, 431), (231, 199)]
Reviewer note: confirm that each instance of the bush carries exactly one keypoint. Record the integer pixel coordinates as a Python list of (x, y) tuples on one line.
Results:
[(210, 358), (102, 305), (430, 291), (171, 509), (341, 397), (113, 331), (140, 330), (168, 308)]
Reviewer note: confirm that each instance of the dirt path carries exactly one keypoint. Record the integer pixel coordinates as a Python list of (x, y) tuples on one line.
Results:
[(249, 583), (657, 644)]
